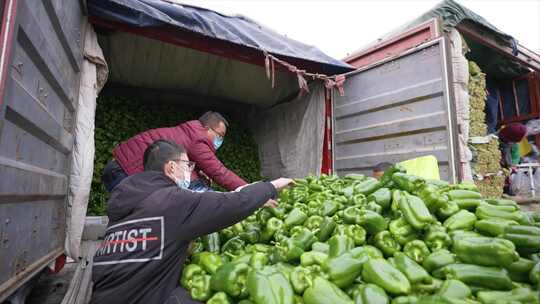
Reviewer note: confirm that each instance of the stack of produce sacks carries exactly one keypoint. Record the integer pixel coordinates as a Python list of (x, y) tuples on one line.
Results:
[(489, 176), (118, 119), (354, 239)]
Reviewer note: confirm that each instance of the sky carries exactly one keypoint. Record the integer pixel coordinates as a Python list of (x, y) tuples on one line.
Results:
[(340, 27)]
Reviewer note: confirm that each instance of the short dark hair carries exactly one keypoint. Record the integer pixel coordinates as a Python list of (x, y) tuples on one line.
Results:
[(159, 153), (382, 166), (212, 119)]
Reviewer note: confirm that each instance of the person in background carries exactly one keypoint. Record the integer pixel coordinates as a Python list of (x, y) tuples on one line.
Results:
[(379, 169), (152, 220), (201, 138), (509, 136)]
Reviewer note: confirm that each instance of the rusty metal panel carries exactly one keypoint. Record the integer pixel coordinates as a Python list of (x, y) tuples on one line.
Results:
[(394, 111), (36, 116)]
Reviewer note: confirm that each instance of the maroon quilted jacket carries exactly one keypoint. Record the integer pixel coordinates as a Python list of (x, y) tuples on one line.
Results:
[(191, 135)]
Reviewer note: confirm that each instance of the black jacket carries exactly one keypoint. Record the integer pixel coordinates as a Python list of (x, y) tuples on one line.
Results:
[(151, 223)]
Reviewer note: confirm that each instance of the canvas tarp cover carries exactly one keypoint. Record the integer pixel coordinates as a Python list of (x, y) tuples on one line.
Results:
[(234, 29)]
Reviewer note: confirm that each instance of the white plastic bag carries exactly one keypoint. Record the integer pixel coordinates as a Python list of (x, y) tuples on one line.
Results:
[(533, 127), (520, 183)]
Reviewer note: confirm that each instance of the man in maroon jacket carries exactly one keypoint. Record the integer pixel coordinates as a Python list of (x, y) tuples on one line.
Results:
[(153, 219), (201, 138)]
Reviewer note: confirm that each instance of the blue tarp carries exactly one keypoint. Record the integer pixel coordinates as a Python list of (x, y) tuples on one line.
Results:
[(235, 29)]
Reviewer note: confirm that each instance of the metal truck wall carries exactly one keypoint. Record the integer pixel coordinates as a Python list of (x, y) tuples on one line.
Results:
[(394, 111), (36, 122)]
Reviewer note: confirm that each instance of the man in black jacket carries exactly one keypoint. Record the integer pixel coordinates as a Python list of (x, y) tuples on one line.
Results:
[(152, 220)]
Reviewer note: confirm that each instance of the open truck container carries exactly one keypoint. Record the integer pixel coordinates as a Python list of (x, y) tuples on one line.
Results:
[(399, 103)]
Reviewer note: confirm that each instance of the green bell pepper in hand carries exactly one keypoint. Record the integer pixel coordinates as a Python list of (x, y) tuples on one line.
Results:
[(220, 298), (382, 197), (386, 243), (414, 210), (271, 227), (313, 258), (339, 244), (301, 278), (519, 270), (269, 286), (525, 238), (415, 273), (326, 229), (370, 294), (295, 218), (463, 220), (401, 231), (485, 251), (438, 259), (325, 292), (416, 250), (342, 270), (493, 226), (231, 279), (475, 275), (454, 289), (436, 238), (355, 232), (383, 274)]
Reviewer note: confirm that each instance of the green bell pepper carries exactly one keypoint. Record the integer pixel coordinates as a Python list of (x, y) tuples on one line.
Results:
[(342, 270), (233, 247), (454, 289), (460, 234), (438, 259), (258, 260), (209, 261), (278, 211), (189, 273), (370, 294), (324, 292), (200, 290), (272, 226), (371, 221), (518, 295), (231, 279), (366, 252), (502, 202), (314, 207), (415, 273), (405, 300), (298, 299), (339, 244), (313, 258), (487, 211), (211, 242), (355, 232), (485, 251), (287, 250), (431, 196), (320, 247), (368, 186), (409, 183), (493, 226), (386, 178), (263, 215), (468, 203), (436, 238), (252, 248), (525, 238), (429, 287), (401, 231), (326, 229), (383, 274), (382, 197), (519, 270), (415, 211), (386, 243), (329, 208), (269, 286), (301, 278), (251, 234), (475, 275), (463, 220), (220, 298), (447, 208), (416, 250), (295, 218), (303, 236), (463, 194), (372, 206)]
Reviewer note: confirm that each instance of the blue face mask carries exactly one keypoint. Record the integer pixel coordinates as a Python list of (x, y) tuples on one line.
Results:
[(218, 140), (184, 183)]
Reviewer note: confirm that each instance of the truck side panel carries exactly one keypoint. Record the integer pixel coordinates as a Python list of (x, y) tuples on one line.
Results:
[(36, 124), (394, 111)]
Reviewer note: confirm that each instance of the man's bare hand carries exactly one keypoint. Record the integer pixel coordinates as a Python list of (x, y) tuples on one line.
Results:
[(271, 203), (281, 183)]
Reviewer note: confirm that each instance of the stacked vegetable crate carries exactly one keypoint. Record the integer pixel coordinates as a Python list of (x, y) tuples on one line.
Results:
[(489, 176), (400, 239), (118, 119)]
